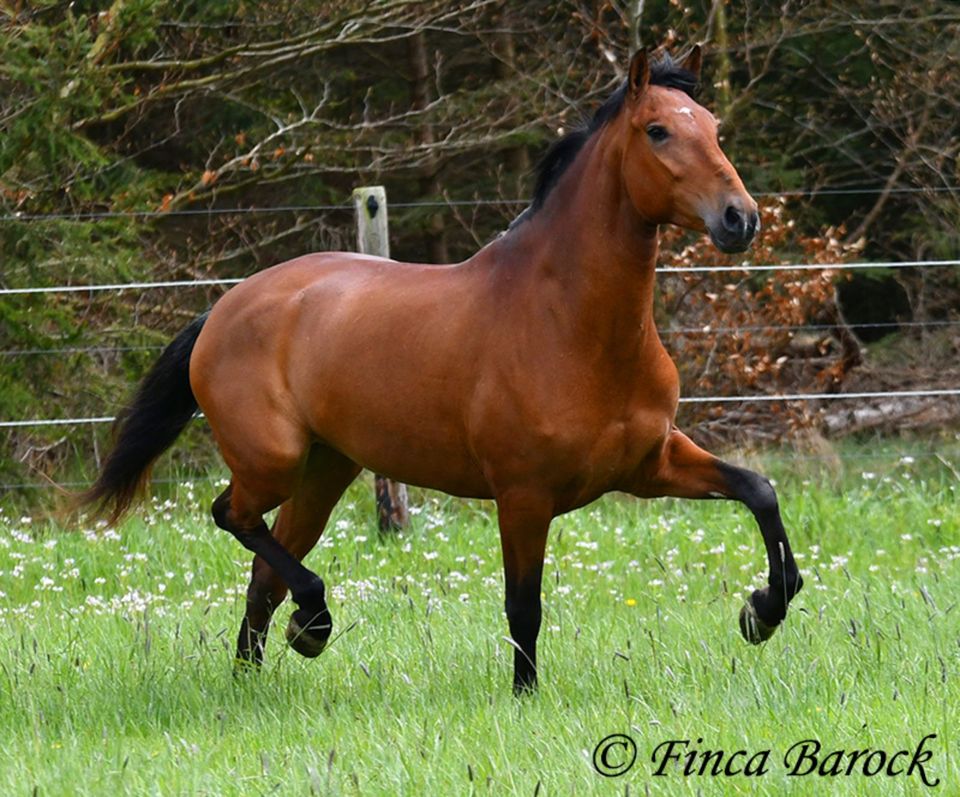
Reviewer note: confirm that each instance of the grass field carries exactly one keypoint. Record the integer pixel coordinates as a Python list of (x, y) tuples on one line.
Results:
[(116, 652)]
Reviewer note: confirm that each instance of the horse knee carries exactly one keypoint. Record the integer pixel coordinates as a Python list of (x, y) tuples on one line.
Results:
[(751, 488)]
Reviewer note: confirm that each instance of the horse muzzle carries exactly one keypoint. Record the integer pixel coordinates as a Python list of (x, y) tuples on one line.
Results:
[(734, 229)]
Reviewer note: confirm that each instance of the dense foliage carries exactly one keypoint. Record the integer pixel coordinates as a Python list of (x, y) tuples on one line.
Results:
[(137, 137)]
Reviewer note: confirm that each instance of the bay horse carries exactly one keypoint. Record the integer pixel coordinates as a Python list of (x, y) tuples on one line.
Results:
[(530, 374)]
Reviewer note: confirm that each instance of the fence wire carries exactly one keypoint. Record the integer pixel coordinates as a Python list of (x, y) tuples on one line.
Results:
[(438, 203), (668, 332), (766, 398), (741, 268)]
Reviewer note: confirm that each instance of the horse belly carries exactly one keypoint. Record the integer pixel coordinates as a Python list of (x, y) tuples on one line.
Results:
[(404, 441)]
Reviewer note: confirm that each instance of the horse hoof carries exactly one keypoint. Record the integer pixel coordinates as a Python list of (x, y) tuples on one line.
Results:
[(308, 633), (754, 630)]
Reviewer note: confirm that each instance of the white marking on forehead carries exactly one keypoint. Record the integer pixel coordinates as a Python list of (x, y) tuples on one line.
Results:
[(684, 109)]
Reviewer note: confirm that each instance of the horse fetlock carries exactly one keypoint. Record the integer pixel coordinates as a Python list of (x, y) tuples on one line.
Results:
[(313, 596), (770, 605), (796, 585), (786, 586)]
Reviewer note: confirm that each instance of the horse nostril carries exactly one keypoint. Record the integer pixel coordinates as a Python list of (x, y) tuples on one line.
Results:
[(733, 219)]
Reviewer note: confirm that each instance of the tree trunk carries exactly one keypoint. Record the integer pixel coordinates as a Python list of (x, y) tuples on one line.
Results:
[(722, 61), (505, 67), (429, 181)]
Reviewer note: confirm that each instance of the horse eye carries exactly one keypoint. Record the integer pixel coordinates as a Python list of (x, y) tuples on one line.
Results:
[(657, 133)]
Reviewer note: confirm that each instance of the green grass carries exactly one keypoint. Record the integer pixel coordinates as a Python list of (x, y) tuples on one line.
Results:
[(116, 652)]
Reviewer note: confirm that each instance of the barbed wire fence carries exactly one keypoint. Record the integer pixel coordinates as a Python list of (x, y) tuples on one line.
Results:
[(941, 393)]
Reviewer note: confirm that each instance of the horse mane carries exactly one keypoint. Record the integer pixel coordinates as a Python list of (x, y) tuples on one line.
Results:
[(664, 71)]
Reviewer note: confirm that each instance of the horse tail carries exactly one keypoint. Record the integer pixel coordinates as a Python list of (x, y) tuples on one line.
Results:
[(162, 406)]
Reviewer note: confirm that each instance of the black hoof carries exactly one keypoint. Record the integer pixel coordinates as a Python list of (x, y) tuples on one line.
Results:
[(308, 632), (754, 630)]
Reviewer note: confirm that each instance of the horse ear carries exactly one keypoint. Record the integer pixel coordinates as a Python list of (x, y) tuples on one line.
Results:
[(693, 61), (639, 74)]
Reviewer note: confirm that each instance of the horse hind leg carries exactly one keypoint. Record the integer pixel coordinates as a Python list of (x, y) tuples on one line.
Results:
[(231, 512), (299, 525)]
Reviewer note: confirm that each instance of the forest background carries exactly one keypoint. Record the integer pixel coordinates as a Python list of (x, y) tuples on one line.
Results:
[(151, 140)]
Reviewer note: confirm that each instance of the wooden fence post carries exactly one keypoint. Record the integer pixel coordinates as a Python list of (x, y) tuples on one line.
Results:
[(373, 239)]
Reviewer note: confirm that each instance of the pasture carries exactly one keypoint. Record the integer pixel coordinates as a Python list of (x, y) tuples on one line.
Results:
[(115, 660)]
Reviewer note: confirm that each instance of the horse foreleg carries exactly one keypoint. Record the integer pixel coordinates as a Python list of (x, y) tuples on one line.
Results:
[(687, 471), (524, 519)]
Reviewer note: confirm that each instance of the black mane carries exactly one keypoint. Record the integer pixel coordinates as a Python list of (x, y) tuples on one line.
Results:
[(664, 71)]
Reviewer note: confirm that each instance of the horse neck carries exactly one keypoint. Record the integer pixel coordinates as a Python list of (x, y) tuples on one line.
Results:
[(587, 250)]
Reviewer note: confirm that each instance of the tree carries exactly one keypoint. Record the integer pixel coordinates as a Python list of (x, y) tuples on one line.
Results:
[(192, 115)]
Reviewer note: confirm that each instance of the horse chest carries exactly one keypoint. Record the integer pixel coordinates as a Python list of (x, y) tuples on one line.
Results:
[(577, 449), (620, 445)]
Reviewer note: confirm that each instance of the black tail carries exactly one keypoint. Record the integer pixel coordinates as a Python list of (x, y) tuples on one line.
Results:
[(161, 408)]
